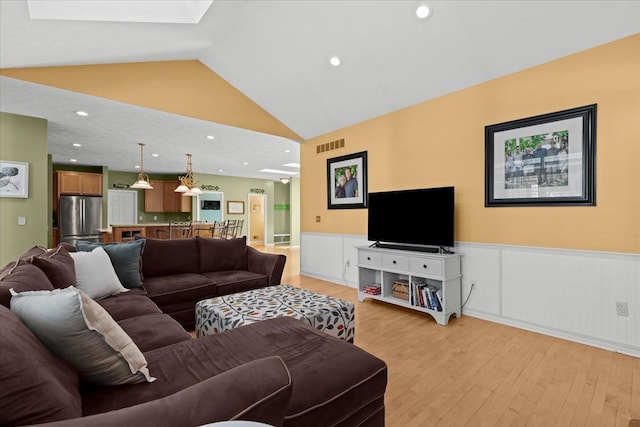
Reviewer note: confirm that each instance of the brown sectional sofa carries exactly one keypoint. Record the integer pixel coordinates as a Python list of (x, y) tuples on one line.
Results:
[(279, 371), (179, 273)]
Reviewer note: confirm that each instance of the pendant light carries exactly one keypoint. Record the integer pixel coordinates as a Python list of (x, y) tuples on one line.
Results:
[(143, 179), (188, 186)]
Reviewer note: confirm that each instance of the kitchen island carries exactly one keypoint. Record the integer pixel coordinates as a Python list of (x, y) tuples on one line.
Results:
[(155, 230)]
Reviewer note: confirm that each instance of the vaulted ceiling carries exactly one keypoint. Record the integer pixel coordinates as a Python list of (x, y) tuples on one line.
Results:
[(256, 74)]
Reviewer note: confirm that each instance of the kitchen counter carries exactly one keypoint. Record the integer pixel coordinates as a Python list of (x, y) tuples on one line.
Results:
[(127, 232)]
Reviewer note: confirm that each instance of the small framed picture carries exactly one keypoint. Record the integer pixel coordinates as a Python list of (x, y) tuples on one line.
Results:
[(347, 181), (236, 208), (14, 179), (546, 160)]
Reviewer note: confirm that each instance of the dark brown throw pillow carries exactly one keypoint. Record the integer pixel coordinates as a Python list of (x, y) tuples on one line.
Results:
[(58, 265), (21, 276)]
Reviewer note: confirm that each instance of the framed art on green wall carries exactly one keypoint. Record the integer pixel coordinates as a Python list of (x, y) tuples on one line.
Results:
[(546, 160), (14, 179), (347, 181)]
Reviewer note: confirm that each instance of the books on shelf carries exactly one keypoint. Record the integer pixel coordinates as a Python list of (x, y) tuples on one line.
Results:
[(427, 296), (372, 289)]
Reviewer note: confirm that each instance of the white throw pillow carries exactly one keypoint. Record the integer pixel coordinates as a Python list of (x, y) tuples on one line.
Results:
[(95, 275), (80, 331)]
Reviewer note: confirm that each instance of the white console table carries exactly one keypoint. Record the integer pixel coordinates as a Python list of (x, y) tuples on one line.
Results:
[(384, 267)]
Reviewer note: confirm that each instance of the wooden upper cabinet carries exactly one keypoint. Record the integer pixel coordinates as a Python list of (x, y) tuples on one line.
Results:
[(163, 198), (88, 184), (153, 198), (170, 202)]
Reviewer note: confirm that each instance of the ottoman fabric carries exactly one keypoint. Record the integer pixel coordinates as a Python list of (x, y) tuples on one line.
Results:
[(330, 315)]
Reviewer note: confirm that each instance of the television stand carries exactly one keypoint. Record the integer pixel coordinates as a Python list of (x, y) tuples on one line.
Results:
[(406, 247), (429, 283)]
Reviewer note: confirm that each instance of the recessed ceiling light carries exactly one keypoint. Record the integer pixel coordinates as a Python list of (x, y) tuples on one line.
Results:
[(220, 170), (73, 160), (423, 11), (211, 137), (292, 165), (81, 113), (137, 166), (155, 155), (75, 144), (245, 163), (335, 61), (287, 151)]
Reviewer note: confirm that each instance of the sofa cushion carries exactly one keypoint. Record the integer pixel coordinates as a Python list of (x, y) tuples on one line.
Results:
[(190, 287), (169, 257), (95, 275), (21, 276), (57, 264), (222, 254), (331, 378), (153, 331), (234, 281), (128, 304), (80, 331), (37, 386), (126, 258), (256, 391)]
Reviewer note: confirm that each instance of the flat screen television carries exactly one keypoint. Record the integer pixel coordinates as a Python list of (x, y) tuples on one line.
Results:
[(422, 217), (213, 205)]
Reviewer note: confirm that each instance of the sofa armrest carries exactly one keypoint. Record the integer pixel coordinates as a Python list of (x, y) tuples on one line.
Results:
[(256, 391), (264, 263)]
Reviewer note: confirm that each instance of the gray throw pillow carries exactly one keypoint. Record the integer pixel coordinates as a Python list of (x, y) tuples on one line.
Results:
[(126, 258), (79, 330)]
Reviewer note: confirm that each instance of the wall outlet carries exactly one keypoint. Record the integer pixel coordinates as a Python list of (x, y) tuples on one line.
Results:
[(317, 218), (140, 218), (22, 220), (622, 308), (348, 263), (155, 217)]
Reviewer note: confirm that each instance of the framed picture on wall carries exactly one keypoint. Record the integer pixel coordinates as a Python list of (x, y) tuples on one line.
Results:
[(14, 179), (236, 208), (347, 181), (546, 160)]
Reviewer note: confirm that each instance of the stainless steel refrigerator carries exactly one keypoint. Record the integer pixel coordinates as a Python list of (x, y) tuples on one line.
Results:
[(80, 217)]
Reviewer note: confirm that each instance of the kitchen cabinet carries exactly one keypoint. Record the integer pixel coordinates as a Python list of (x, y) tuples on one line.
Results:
[(163, 198), (79, 183)]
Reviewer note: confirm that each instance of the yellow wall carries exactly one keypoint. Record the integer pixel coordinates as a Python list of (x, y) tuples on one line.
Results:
[(24, 139), (441, 142), (187, 88)]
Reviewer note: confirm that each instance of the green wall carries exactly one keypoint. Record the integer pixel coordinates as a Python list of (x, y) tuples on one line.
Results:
[(24, 139)]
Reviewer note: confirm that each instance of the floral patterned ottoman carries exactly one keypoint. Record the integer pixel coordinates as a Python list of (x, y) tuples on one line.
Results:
[(331, 315)]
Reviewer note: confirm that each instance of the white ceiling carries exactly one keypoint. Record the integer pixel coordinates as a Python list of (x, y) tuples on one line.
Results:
[(276, 53)]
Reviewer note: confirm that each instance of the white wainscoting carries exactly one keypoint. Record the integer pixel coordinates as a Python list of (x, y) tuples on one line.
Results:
[(565, 293)]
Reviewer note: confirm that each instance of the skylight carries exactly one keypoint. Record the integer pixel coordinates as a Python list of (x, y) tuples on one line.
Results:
[(155, 11)]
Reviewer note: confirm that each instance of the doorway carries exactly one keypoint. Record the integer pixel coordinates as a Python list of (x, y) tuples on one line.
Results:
[(122, 207), (257, 214)]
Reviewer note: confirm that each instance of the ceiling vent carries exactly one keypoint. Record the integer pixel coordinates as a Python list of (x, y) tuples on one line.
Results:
[(328, 146)]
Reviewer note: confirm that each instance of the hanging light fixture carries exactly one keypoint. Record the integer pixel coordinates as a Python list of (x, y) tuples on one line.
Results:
[(143, 179), (285, 180), (188, 186)]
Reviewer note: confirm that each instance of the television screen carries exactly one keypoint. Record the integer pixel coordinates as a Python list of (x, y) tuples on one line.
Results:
[(413, 217), (211, 205)]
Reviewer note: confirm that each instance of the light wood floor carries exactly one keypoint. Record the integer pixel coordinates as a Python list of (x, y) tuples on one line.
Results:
[(477, 373)]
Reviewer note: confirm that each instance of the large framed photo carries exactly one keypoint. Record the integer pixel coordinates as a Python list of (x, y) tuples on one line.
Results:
[(546, 160), (347, 181), (14, 179)]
